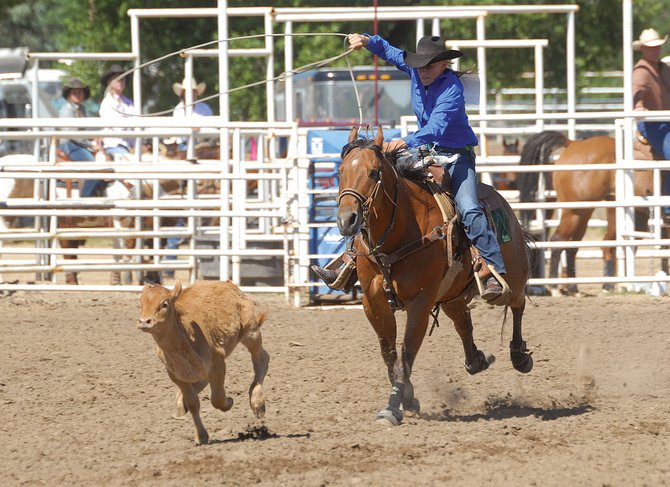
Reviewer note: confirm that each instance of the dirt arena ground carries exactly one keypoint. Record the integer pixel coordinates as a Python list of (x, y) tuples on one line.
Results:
[(86, 401)]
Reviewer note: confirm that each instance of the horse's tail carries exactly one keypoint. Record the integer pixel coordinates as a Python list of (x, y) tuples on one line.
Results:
[(537, 151)]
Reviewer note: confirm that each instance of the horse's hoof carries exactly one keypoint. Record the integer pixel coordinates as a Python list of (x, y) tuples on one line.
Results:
[(71, 279), (115, 278), (608, 287), (412, 407), (390, 417), (522, 361), (482, 361)]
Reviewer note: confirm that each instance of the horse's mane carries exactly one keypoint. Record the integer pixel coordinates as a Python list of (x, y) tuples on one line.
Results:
[(404, 166), (362, 143)]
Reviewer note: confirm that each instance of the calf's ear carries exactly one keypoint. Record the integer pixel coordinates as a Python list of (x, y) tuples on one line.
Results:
[(176, 290)]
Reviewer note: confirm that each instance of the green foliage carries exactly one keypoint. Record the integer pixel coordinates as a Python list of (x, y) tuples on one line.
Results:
[(103, 26)]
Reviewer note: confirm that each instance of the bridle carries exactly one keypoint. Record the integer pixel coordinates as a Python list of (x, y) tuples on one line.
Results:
[(366, 202)]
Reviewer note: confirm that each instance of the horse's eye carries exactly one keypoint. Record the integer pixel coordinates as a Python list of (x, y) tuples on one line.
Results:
[(374, 174)]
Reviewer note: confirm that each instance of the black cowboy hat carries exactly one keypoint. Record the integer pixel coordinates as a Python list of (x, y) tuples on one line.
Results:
[(110, 74), (76, 83), (430, 49)]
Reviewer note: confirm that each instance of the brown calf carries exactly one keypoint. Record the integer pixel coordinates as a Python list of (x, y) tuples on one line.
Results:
[(195, 330)]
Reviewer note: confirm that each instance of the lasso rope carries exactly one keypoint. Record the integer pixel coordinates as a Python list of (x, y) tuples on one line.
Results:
[(306, 67)]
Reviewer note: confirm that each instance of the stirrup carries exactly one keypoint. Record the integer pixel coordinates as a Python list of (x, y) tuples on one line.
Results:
[(504, 296), (342, 282)]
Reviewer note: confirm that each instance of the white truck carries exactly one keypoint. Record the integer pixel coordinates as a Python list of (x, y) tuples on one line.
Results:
[(16, 97)]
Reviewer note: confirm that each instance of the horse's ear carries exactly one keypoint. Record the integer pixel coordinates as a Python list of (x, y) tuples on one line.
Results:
[(379, 138), (353, 135)]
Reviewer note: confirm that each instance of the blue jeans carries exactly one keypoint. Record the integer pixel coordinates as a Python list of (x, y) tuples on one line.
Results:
[(461, 168), (464, 190), (174, 242), (77, 153), (658, 135), (119, 150)]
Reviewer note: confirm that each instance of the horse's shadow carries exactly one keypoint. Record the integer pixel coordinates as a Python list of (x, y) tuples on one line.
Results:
[(507, 409), (257, 433)]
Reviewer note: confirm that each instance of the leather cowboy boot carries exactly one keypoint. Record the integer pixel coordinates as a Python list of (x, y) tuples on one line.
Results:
[(326, 275), (340, 279), (492, 289)]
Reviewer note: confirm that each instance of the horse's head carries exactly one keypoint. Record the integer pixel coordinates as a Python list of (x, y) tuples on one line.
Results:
[(360, 180)]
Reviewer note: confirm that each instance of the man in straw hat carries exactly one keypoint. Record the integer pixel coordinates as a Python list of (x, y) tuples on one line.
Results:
[(444, 133), (114, 106), (651, 91), (198, 108), (75, 94)]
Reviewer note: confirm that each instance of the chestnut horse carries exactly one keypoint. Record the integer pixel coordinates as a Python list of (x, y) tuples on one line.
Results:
[(395, 216), (587, 185)]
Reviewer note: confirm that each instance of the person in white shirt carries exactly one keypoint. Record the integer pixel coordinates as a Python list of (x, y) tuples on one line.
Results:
[(116, 105)]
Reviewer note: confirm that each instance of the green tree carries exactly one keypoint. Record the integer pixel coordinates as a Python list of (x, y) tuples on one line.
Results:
[(103, 26)]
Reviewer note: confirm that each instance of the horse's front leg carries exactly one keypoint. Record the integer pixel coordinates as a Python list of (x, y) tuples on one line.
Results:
[(475, 360), (383, 322), (418, 312)]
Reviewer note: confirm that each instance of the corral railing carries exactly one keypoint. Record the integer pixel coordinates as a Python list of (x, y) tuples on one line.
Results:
[(277, 214), (246, 216), (630, 244)]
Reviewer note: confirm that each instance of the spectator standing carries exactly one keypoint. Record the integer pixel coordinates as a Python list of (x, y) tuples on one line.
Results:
[(651, 91)]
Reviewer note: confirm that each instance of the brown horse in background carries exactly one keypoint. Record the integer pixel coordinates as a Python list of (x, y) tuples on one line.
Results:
[(586, 185), (396, 217)]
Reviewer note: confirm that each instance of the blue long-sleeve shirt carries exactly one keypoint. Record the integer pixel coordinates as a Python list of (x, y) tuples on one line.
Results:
[(439, 107)]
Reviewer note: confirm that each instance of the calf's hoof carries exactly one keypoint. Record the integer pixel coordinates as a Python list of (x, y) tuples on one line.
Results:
[(224, 405), (257, 401), (201, 438)]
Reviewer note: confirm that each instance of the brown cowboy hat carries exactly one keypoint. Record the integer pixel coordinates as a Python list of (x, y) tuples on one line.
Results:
[(75, 83), (114, 71), (430, 49)]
